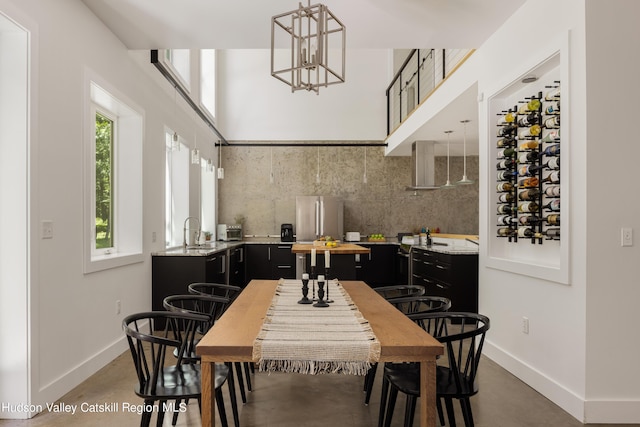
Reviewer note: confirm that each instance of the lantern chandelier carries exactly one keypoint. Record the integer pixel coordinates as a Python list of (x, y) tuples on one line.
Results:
[(315, 55)]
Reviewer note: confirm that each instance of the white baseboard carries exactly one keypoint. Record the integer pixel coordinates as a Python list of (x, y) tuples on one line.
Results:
[(585, 411), (72, 378), (546, 386)]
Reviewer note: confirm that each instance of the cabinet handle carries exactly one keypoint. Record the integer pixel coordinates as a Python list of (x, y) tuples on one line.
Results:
[(269, 255), (439, 285), (224, 264), (241, 255), (358, 266), (284, 267), (441, 267), (427, 263), (284, 247)]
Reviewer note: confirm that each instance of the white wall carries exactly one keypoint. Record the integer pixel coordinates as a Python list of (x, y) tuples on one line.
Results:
[(612, 202), (253, 105), (572, 352), (74, 329)]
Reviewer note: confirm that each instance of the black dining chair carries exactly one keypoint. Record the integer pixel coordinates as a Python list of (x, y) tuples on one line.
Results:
[(231, 292), (407, 305), (211, 307), (463, 336), (215, 289), (158, 380), (397, 291)]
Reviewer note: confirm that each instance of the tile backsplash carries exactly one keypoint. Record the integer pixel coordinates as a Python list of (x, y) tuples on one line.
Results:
[(382, 205)]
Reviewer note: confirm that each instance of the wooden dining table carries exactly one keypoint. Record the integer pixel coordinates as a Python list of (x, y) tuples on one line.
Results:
[(232, 336)]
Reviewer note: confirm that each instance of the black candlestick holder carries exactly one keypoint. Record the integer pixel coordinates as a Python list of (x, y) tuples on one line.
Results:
[(313, 278), (321, 302), (326, 277), (305, 292)]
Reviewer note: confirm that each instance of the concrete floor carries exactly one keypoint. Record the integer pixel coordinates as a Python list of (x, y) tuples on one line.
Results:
[(280, 400)]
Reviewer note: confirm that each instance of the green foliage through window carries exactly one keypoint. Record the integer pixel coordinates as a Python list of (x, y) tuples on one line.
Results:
[(104, 182)]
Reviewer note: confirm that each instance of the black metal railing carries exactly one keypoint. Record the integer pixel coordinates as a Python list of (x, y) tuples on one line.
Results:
[(419, 75)]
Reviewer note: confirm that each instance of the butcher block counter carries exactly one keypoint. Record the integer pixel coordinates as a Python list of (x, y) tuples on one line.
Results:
[(341, 249)]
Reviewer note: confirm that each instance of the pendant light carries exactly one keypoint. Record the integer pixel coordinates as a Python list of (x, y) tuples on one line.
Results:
[(195, 153), (464, 180), (364, 177), (448, 184), (318, 172), (271, 179), (220, 168)]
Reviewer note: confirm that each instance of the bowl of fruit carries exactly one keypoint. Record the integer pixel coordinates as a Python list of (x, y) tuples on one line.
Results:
[(327, 241), (377, 238)]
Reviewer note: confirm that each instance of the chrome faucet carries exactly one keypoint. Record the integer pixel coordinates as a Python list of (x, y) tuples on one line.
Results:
[(184, 232)]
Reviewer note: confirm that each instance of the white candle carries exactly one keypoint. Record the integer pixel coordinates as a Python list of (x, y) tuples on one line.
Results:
[(313, 257), (327, 259), (305, 276), (321, 278)]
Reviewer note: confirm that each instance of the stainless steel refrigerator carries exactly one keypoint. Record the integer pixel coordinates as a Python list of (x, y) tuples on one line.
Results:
[(319, 216)]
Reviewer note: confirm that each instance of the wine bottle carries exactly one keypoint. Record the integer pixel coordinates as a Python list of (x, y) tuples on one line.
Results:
[(531, 144), (528, 157), (506, 175), (506, 164), (504, 186), (552, 191), (530, 194), (527, 232), (528, 207), (505, 209), (553, 177), (528, 220), (550, 135), (528, 120), (505, 198), (552, 122), (506, 232), (507, 220), (529, 132), (552, 233), (553, 94), (553, 205), (507, 152), (552, 150), (506, 142), (526, 170), (553, 164), (553, 219), (506, 130), (530, 182), (506, 118), (552, 107), (533, 104)]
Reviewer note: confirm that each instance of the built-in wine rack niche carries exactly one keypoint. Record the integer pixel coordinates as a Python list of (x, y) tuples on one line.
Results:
[(528, 168)]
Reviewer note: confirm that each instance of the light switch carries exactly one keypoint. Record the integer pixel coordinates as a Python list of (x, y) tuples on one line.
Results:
[(627, 236)]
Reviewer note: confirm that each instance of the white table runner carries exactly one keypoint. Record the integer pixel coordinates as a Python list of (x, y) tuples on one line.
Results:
[(304, 339)]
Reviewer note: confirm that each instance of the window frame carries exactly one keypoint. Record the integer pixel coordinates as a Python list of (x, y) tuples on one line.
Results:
[(128, 176), (95, 251)]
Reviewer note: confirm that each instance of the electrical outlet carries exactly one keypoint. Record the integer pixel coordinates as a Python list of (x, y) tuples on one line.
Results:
[(153, 236), (525, 325), (627, 236), (118, 307), (47, 229)]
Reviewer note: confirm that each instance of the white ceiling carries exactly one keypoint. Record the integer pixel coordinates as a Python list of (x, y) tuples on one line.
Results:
[(370, 24), (242, 24)]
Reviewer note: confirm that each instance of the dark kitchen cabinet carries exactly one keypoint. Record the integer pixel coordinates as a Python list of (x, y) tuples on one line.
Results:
[(454, 276), (171, 275), (343, 267), (236, 266), (380, 267), (269, 261)]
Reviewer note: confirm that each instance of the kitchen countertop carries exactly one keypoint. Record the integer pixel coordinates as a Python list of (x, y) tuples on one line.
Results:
[(450, 246)]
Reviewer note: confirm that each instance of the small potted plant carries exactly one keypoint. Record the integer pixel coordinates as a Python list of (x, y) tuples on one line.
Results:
[(207, 236)]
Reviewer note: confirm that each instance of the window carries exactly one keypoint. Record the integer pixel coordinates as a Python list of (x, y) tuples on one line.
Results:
[(208, 81), (103, 183), (208, 196), (113, 179), (176, 188), (179, 62)]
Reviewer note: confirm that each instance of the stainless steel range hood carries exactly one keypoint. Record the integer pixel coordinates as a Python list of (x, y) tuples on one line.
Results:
[(422, 166)]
